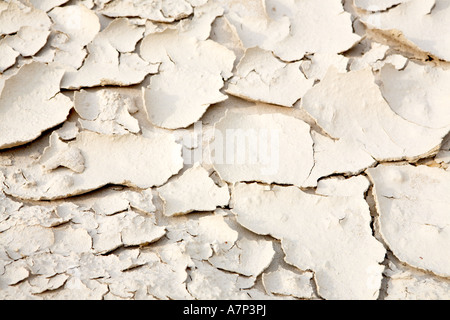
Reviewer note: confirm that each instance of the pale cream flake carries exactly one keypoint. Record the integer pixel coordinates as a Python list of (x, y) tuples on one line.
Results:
[(209, 235), (115, 202), (209, 283), (343, 156), (194, 190), (22, 240), (191, 74), (159, 10), (419, 94), (125, 160), (317, 65), (60, 154), (45, 216), (376, 53), (378, 5), (127, 228), (14, 273), (75, 26), (249, 256), (76, 289), (8, 57), (289, 283), (425, 23), (110, 61), (329, 235), (444, 154), (41, 284), (411, 284), (68, 131), (69, 240), (106, 111), (271, 148), (223, 32), (200, 25), (260, 76), (47, 5), (413, 206), (316, 26), (355, 186), (41, 106), (28, 40), (17, 14), (253, 25), (350, 106)]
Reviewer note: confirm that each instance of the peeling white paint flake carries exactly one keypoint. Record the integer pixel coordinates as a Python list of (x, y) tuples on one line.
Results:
[(289, 283), (106, 111), (158, 11), (110, 60), (378, 5), (260, 76), (125, 160), (418, 94), (350, 106), (413, 209), (193, 191), (41, 105), (17, 14), (428, 35), (74, 27), (259, 147), (329, 27), (329, 235), (190, 77), (47, 5)]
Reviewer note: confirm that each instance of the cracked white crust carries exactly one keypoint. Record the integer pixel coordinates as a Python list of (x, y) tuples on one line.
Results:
[(413, 211), (190, 77), (144, 163), (41, 105), (318, 234)]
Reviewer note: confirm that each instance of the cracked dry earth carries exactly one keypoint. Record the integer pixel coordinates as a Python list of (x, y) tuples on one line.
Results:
[(224, 149)]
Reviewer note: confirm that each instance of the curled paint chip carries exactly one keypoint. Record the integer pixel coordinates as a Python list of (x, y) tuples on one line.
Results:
[(8, 56), (41, 105), (343, 156), (260, 147), (194, 190), (350, 106), (428, 35), (17, 14), (418, 93), (329, 27), (260, 76), (328, 235), (249, 256), (75, 27), (126, 160), (413, 209), (378, 5), (28, 40), (47, 5), (59, 154), (110, 61), (106, 111), (189, 80), (289, 283), (159, 10)]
